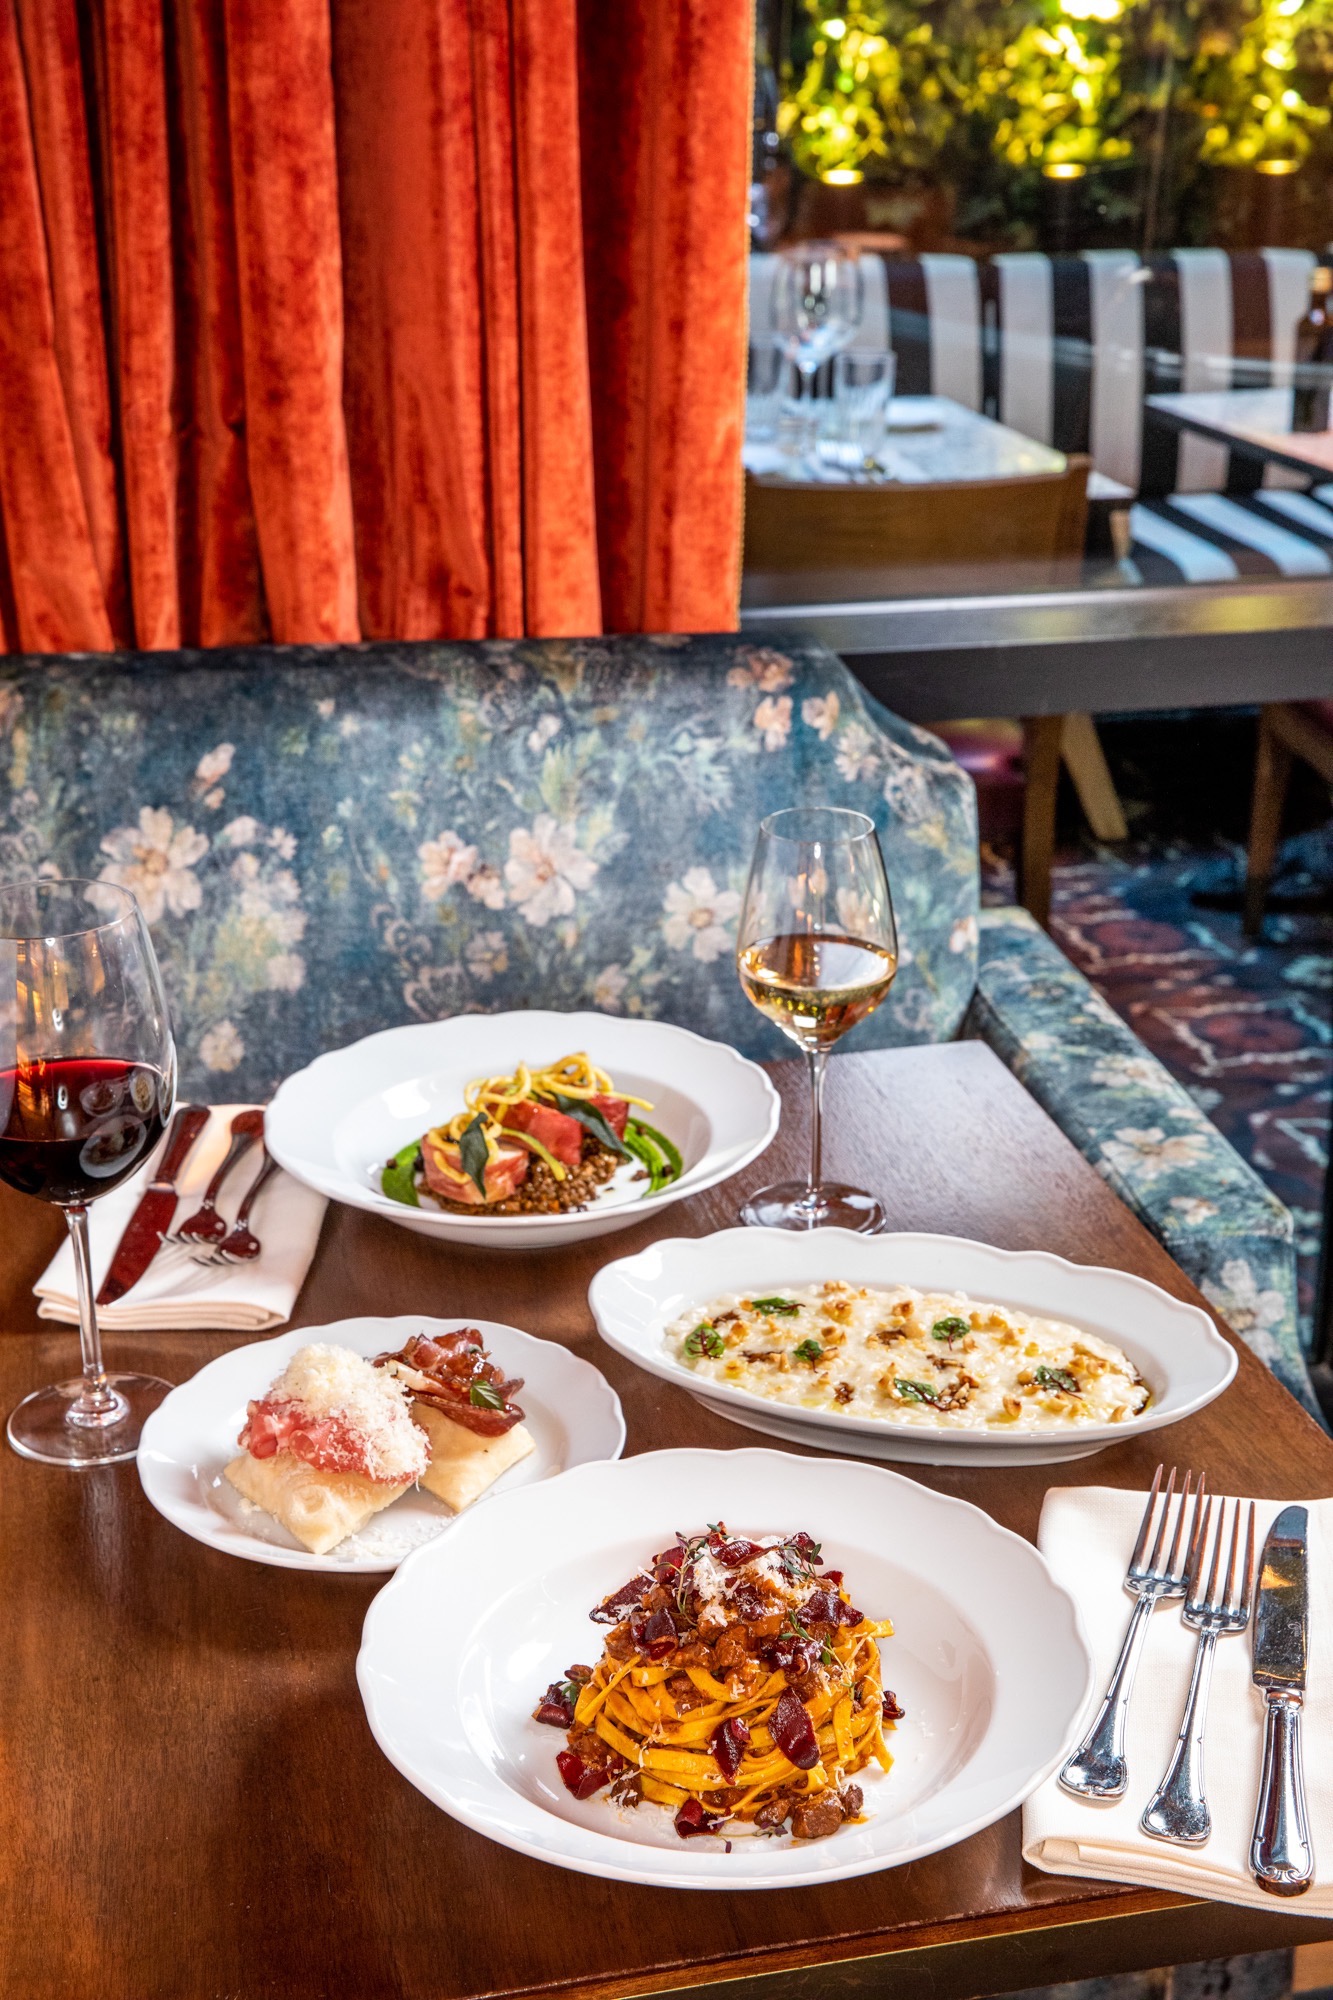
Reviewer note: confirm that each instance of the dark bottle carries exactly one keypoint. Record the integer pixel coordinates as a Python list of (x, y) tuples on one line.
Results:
[(1314, 356)]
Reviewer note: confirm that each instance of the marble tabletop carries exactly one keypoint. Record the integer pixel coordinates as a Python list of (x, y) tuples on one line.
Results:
[(930, 439)]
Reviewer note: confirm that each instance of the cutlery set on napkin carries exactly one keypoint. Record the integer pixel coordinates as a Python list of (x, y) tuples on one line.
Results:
[(1137, 1800), (210, 1234)]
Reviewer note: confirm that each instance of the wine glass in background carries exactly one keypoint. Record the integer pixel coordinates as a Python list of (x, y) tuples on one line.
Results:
[(87, 1081), (817, 951), (816, 309)]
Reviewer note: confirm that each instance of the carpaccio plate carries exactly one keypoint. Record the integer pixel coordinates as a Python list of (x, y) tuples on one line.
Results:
[(569, 1406)]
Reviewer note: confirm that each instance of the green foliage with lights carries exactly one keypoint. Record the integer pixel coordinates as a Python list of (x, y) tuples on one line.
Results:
[(888, 89), (1259, 80)]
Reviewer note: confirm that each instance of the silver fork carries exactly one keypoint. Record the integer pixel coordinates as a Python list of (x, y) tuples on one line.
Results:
[(205, 1228), (240, 1245), (1097, 1768), (1178, 1809)]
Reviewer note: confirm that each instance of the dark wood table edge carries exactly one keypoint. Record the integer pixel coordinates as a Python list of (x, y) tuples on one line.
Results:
[(1010, 1958)]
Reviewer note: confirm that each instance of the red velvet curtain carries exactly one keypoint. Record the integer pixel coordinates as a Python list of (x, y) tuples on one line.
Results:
[(329, 319)]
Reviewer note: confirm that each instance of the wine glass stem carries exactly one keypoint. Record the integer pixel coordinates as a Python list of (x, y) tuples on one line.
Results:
[(98, 1404), (818, 1061)]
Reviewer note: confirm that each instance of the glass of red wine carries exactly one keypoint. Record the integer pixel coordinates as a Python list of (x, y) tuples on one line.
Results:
[(816, 951), (87, 1082)]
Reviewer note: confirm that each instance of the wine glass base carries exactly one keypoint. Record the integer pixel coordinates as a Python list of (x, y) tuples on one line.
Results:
[(787, 1205), (40, 1426)]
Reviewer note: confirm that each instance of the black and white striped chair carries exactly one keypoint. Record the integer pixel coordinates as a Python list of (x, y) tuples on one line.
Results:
[(1066, 349)]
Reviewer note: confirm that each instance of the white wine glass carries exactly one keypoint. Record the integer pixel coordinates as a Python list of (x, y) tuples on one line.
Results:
[(816, 950), (87, 1083), (816, 306)]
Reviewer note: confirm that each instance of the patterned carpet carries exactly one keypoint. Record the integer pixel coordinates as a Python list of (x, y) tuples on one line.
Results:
[(1246, 1026)]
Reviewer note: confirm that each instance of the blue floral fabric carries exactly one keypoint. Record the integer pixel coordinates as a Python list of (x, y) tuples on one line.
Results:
[(1145, 1135), (327, 842)]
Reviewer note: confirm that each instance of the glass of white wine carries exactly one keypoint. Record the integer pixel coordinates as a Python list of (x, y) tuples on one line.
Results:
[(816, 951)]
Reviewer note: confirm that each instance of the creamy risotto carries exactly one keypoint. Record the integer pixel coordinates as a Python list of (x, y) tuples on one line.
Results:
[(934, 1359)]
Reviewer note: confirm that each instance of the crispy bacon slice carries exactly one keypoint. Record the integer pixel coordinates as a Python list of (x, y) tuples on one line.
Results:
[(442, 1373), (507, 1171)]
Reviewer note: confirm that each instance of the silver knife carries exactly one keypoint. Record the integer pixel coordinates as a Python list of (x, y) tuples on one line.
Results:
[(142, 1238), (1281, 1857)]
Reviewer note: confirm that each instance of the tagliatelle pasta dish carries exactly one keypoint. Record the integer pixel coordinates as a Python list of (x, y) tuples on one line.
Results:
[(739, 1688), (936, 1359), (540, 1142)]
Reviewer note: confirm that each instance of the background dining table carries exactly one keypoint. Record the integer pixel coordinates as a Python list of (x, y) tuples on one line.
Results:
[(1255, 421), (191, 1802)]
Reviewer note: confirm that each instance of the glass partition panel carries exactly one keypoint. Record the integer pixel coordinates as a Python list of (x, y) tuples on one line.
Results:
[(1040, 297)]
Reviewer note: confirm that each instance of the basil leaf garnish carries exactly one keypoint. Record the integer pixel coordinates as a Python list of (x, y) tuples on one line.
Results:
[(809, 1350), (592, 1120), (472, 1151), (485, 1396)]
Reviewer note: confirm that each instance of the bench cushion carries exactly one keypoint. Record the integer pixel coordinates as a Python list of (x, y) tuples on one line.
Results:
[(330, 841)]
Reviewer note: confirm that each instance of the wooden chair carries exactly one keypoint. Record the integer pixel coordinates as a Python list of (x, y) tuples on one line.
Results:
[(1287, 729), (1030, 530)]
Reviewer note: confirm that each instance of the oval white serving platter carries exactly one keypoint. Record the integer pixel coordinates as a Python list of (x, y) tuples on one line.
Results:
[(570, 1408), (335, 1123), (989, 1660), (1175, 1346)]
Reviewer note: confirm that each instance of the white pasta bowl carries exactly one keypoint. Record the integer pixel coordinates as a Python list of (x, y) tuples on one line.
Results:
[(335, 1123), (1175, 1347), (988, 1660)]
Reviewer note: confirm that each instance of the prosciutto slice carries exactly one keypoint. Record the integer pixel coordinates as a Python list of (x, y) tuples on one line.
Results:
[(442, 1373), (274, 1424), (443, 1166)]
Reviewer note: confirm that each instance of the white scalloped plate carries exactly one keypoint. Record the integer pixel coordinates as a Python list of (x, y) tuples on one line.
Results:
[(988, 1659), (569, 1406), (335, 1123), (1175, 1346)]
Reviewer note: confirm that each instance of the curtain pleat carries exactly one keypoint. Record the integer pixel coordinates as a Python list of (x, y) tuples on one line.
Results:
[(49, 32), (664, 184), (497, 253), (413, 389), (563, 595), (143, 308), (409, 318), (225, 563), (285, 178), (53, 576)]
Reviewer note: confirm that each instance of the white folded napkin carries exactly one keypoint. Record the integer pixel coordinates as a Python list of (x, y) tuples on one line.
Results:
[(177, 1295), (1086, 1534)]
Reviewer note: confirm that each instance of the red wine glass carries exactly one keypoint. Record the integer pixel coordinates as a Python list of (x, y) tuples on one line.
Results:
[(816, 951), (87, 1081)]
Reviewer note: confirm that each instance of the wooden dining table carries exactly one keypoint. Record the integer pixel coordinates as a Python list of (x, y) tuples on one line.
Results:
[(191, 1803)]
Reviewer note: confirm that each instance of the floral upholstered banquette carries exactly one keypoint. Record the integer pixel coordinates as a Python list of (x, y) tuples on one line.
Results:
[(331, 841), (328, 842)]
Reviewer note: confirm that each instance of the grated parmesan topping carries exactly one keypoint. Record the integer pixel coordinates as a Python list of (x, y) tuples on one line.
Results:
[(715, 1583), (334, 1382)]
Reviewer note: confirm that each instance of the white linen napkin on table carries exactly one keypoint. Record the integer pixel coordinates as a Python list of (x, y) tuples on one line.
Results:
[(177, 1295), (1086, 1535)]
